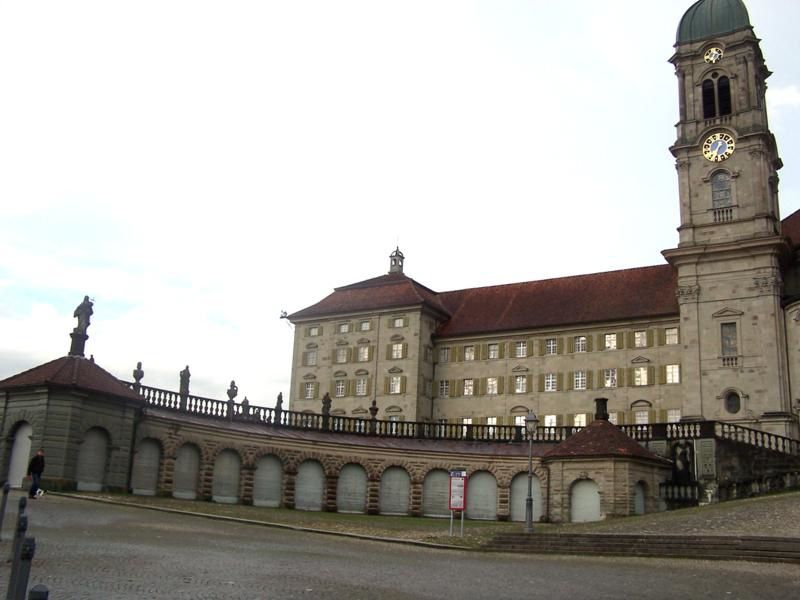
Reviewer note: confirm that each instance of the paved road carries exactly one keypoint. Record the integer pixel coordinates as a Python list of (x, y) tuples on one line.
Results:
[(92, 550)]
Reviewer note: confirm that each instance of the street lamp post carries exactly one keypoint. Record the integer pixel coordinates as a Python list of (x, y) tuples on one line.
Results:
[(531, 422)]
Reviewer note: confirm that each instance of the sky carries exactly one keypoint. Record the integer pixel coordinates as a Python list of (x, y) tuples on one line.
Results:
[(198, 167)]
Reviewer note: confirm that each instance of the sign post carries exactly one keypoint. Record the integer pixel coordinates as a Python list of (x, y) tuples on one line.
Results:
[(458, 496)]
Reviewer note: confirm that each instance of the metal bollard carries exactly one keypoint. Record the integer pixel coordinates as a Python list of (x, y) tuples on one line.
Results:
[(16, 549), (6, 489), (38, 592), (24, 571)]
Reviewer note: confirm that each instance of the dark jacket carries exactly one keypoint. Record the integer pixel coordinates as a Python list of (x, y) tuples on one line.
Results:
[(36, 465)]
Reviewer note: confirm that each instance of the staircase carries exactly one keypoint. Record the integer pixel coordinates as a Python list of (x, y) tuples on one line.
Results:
[(763, 549)]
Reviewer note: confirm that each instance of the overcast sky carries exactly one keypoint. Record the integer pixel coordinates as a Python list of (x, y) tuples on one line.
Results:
[(197, 167)]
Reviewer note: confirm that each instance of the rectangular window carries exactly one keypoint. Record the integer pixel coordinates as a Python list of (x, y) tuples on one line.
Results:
[(313, 331), (464, 422), (610, 378), (469, 352), (397, 350), (641, 417), (579, 380), (550, 382), (363, 353), (344, 327), (671, 336), (444, 389), (395, 384), (469, 387), (491, 422), (491, 385), (521, 349), (361, 386), (519, 420), (610, 341), (550, 420), (640, 376), (730, 345), (341, 355), (309, 395), (640, 339), (579, 420), (364, 326), (494, 351), (580, 343), (311, 358), (673, 373), (399, 322), (520, 384), (444, 355), (551, 346), (339, 388), (674, 415)]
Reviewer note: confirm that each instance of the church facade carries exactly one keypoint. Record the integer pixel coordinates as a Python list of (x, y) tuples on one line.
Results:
[(711, 334)]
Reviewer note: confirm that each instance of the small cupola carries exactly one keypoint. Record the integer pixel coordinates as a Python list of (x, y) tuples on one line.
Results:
[(396, 261)]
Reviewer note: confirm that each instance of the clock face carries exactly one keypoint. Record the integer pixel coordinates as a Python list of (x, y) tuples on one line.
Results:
[(718, 146), (712, 55)]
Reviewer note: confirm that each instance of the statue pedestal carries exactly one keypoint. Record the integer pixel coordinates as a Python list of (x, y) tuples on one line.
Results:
[(78, 343)]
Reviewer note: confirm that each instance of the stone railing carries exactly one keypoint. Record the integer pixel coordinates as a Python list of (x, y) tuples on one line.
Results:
[(232, 411), (759, 439)]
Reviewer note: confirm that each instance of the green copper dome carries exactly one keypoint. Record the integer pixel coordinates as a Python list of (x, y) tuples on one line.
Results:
[(707, 18)]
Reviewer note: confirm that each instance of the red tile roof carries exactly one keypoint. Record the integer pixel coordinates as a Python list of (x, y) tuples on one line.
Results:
[(601, 439), (790, 227), (71, 371), (394, 290), (644, 292)]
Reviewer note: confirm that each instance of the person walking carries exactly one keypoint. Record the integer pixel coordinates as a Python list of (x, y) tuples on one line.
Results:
[(35, 469)]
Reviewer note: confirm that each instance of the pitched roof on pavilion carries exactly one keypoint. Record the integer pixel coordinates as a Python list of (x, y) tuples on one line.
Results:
[(601, 439), (71, 371)]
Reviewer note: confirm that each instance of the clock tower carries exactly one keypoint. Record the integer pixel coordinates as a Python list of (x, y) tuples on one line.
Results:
[(730, 243)]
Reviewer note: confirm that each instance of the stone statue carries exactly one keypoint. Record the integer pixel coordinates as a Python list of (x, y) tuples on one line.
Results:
[(245, 407), (373, 410), (185, 375), (83, 312), (137, 376), (326, 404), (232, 391), (279, 403)]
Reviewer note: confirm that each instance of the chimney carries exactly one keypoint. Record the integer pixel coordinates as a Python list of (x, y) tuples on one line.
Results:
[(601, 409)]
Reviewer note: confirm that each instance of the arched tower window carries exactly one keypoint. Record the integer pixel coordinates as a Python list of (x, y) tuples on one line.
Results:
[(724, 96), (721, 190), (716, 96), (709, 102)]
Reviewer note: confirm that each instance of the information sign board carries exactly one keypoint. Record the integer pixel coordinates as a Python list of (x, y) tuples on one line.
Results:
[(458, 490)]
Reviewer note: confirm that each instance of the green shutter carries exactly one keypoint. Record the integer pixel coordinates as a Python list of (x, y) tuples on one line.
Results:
[(662, 416), (662, 374), (621, 377), (651, 375), (560, 382), (385, 385), (560, 345), (528, 383), (529, 351), (388, 352), (559, 420), (500, 386), (316, 389), (369, 385), (631, 378), (661, 335), (569, 419), (620, 340), (484, 354), (482, 387), (541, 382), (601, 379), (571, 344), (570, 380), (402, 384), (631, 339), (650, 337), (501, 350), (305, 359), (601, 341), (541, 348), (589, 377), (405, 350), (589, 343)]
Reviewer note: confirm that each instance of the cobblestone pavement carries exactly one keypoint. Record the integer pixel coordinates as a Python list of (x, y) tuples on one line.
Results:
[(92, 550), (777, 516)]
